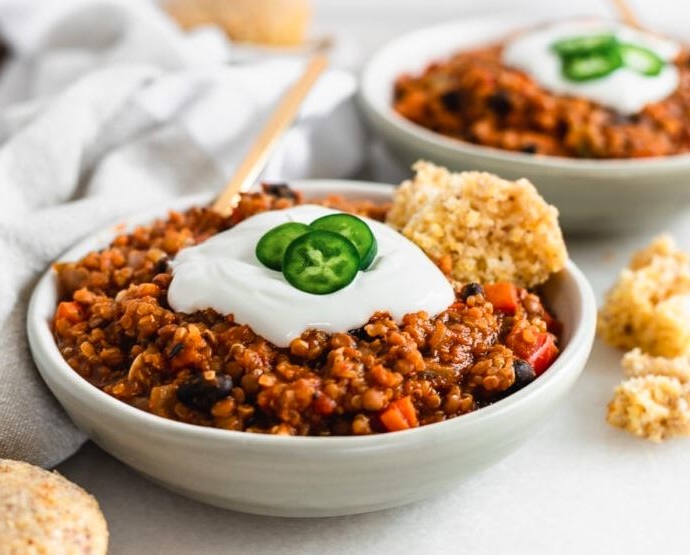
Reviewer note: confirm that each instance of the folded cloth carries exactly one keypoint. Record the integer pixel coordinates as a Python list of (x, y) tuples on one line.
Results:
[(134, 126)]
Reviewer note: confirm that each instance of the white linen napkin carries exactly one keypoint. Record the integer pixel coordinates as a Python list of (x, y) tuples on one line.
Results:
[(109, 111)]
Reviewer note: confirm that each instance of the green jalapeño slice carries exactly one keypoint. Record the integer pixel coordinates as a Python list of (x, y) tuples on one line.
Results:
[(592, 66), (320, 262), (640, 59), (271, 247), (354, 229), (584, 45)]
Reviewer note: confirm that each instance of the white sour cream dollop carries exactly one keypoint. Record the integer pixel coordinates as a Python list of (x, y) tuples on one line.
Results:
[(623, 90), (224, 274)]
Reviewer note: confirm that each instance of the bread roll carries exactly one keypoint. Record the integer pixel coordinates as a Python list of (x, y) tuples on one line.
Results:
[(274, 22)]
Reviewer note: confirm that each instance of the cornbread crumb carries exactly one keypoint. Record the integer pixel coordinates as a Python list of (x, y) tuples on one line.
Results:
[(274, 22), (492, 229), (649, 306), (652, 407), (43, 513), (637, 364), (663, 246)]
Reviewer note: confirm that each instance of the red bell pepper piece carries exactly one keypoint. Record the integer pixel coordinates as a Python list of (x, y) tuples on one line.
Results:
[(503, 295), (544, 353)]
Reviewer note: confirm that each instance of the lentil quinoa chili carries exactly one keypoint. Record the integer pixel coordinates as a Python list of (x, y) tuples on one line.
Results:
[(114, 327), (475, 97)]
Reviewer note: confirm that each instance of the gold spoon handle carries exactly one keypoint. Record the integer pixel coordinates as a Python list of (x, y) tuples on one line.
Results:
[(626, 14), (280, 120)]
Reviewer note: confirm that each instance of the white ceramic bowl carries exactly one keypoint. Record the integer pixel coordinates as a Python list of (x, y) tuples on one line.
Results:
[(311, 476), (592, 195)]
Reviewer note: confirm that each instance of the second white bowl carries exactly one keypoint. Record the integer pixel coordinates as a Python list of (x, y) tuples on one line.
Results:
[(592, 195)]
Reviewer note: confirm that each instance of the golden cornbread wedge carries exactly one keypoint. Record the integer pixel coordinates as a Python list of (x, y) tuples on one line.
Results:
[(479, 227)]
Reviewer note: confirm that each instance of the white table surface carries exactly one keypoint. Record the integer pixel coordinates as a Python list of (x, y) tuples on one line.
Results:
[(578, 486)]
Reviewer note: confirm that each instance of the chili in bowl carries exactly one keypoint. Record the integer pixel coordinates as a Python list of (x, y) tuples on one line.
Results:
[(592, 126)]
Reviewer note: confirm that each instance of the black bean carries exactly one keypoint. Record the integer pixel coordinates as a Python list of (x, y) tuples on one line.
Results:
[(279, 190), (524, 374), (176, 350), (529, 148), (499, 102), (451, 101), (360, 333), (561, 129), (470, 290), (201, 394), (260, 420), (163, 264)]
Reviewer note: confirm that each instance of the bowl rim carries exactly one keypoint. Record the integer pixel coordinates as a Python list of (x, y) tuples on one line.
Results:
[(379, 107), (43, 346)]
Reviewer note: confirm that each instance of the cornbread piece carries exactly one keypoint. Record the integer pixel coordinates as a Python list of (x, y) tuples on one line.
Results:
[(43, 513), (652, 407), (649, 305), (275, 22), (485, 229), (637, 364), (429, 182)]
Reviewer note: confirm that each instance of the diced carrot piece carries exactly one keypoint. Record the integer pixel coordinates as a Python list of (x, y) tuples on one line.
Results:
[(70, 311), (400, 415), (413, 106), (324, 405), (544, 353), (393, 419), (407, 408), (503, 295)]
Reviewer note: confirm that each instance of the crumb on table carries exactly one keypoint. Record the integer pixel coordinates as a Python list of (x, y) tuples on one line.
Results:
[(636, 364), (649, 305), (650, 406), (648, 311)]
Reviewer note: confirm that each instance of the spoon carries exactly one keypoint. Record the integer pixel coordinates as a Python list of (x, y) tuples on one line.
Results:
[(626, 13), (284, 114)]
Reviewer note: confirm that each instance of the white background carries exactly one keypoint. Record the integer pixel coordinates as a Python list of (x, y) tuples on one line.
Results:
[(578, 487)]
